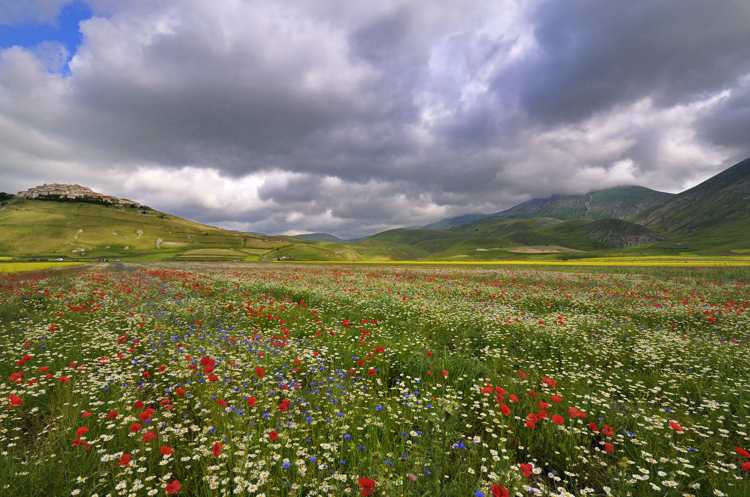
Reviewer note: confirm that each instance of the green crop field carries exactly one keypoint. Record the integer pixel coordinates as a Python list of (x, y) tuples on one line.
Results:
[(373, 379)]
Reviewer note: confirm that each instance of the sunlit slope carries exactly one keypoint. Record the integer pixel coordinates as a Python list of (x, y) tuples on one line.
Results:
[(33, 228)]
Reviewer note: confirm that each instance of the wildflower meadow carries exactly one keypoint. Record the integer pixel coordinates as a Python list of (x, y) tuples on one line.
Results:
[(315, 380)]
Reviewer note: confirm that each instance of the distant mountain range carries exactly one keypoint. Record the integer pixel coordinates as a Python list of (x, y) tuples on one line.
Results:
[(712, 218), (320, 237)]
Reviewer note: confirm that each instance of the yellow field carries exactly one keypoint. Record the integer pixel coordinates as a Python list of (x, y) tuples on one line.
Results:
[(603, 261), (6, 258), (18, 267)]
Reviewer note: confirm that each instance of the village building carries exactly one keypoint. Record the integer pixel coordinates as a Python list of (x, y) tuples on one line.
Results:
[(72, 192)]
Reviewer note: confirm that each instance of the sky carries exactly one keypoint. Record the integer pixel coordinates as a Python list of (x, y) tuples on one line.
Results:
[(351, 118)]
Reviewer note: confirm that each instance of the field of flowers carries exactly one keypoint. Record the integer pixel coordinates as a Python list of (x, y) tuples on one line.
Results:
[(281, 380)]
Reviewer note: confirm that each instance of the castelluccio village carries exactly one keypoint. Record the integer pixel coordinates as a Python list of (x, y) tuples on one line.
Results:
[(389, 249)]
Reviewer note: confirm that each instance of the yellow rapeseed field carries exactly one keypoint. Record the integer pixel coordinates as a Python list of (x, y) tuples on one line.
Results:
[(17, 267)]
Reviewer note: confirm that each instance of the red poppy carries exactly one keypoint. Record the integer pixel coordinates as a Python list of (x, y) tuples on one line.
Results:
[(283, 407), (513, 398), (558, 419), (498, 491), (742, 452), (521, 374), (15, 400), (124, 460), (82, 430), (609, 447), (147, 437), (167, 451), (533, 417), (43, 369), (608, 430), (549, 382), (367, 485), (526, 469), (593, 427), (505, 409), (372, 372), (543, 405), (86, 414), (273, 435), (251, 401), (429, 353), (172, 488), (530, 424), (675, 426), (138, 404), (533, 393), (556, 399), (445, 373), (745, 466), (180, 391), (64, 379), (217, 449), (135, 427), (208, 370), (259, 372), (213, 377), (112, 415)]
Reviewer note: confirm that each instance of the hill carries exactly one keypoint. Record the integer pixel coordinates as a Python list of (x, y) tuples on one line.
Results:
[(84, 230)]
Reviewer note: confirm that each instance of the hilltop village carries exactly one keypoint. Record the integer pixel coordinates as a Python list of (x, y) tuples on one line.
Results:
[(72, 192)]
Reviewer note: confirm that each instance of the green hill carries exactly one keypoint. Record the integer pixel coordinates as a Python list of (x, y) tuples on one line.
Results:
[(85, 231)]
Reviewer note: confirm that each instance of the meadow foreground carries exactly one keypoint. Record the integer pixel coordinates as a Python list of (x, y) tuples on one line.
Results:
[(283, 380)]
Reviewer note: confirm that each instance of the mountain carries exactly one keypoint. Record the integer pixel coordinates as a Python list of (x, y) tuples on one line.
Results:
[(320, 237), (720, 203), (604, 234), (619, 203), (452, 222)]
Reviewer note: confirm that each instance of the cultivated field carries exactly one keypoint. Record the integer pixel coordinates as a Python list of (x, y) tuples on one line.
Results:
[(281, 380)]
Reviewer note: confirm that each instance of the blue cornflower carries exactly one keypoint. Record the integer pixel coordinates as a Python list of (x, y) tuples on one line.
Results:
[(479, 493), (286, 465)]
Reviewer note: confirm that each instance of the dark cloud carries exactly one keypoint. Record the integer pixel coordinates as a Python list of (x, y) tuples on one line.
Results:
[(354, 117), (594, 55)]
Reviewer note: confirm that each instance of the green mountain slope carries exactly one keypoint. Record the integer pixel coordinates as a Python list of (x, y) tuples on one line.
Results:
[(452, 222), (319, 237), (618, 203), (717, 203)]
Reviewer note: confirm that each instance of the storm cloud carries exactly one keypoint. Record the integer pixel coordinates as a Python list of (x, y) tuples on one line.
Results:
[(354, 117)]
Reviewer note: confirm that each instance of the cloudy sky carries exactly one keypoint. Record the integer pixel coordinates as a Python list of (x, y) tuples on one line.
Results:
[(349, 117)]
